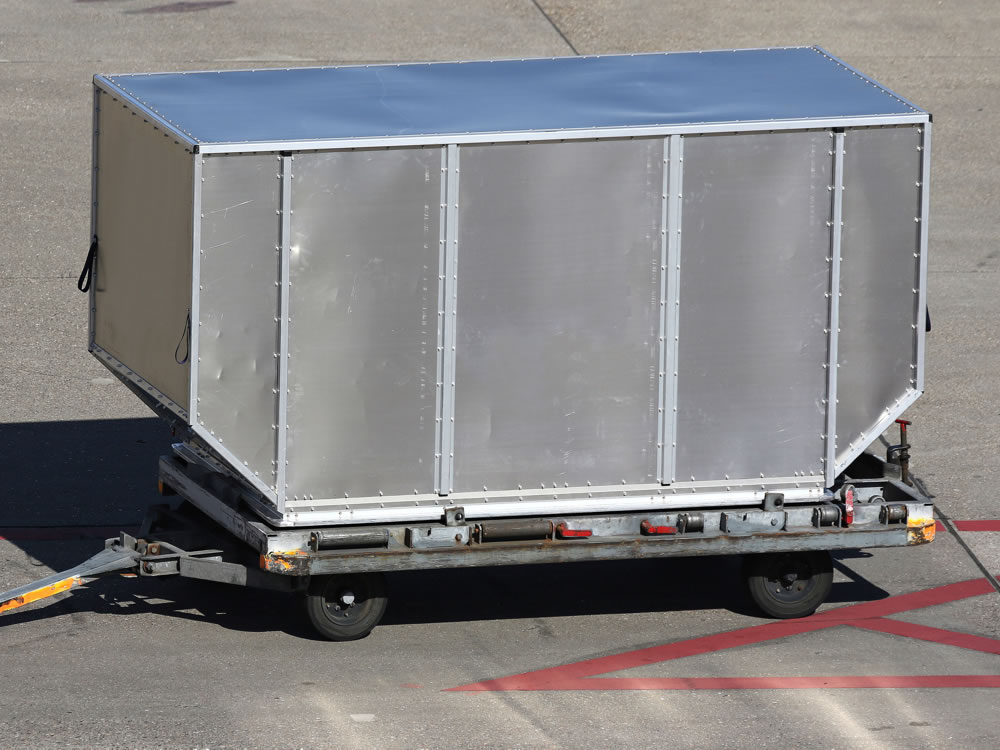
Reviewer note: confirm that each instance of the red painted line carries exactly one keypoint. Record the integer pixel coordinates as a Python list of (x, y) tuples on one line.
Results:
[(581, 675), (653, 655), (61, 533), (893, 605), (977, 525), (934, 635), (971, 526), (779, 683)]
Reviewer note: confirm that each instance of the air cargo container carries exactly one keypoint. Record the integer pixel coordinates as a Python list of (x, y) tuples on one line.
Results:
[(479, 313)]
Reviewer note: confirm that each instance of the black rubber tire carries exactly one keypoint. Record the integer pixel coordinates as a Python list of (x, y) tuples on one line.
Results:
[(336, 621), (787, 585)]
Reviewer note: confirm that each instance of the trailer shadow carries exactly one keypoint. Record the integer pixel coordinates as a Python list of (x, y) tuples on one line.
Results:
[(87, 473), (73, 476), (446, 596)]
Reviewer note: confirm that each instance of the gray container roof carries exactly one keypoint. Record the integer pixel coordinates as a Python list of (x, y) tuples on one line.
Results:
[(509, 96)]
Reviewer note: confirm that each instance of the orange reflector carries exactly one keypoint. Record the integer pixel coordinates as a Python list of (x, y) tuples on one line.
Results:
[(43, 593), (921, 526)]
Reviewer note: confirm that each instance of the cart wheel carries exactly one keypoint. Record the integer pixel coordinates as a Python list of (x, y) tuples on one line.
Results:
[(346, 607), (787, 585)]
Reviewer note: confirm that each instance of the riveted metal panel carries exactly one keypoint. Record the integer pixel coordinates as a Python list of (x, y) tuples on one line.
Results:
[(559, 250), (363, 323), (879, 281), (142, 280), (753, 305), (238, 307)]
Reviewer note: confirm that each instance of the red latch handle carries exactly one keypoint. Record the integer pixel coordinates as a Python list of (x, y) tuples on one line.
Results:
[(565, 533), (649, 528)]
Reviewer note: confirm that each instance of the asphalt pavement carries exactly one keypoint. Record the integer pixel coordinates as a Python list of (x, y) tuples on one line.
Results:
[(628, 654)]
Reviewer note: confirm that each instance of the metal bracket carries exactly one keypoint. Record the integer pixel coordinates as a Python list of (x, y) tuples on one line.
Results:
[(774, 501), (435, 537), (164, 559), (454, 516), (753, 522)]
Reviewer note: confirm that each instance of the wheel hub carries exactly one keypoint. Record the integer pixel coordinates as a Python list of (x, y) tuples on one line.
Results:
[(789, 583), (343, 603)]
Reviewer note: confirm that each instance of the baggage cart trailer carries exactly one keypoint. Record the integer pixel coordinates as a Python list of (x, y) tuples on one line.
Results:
[(485, 313)]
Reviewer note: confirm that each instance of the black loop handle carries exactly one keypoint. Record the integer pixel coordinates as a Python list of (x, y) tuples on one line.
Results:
[(185, 336), (87, 274)]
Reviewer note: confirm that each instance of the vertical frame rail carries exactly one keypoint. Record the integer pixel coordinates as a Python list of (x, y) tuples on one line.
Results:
[(194, 356), (923, 219), (833, 331), (444, 453), (94, 156), (284, 286), (670, 268)]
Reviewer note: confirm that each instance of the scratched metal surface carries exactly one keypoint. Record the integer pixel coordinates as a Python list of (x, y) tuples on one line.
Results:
[(238, 307), (363, 323)]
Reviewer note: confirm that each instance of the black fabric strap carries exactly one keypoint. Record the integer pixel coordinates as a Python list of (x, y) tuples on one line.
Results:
[(87, 274)]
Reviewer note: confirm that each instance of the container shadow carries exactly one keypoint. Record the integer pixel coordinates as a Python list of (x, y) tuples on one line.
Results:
[(68, 475)]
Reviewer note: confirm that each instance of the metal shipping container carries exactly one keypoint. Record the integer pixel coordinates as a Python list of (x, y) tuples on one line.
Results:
[(522, 287)]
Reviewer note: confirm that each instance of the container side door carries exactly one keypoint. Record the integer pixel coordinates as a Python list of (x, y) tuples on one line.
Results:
[(879, 283), (559, 253), (754, 283), (363, 327), (238, 308), (142, 283)]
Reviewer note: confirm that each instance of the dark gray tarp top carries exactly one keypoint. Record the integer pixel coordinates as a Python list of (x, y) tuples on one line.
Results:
[(505, 96)]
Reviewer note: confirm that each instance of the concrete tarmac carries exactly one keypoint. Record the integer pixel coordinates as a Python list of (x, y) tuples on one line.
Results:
[(173, 663)]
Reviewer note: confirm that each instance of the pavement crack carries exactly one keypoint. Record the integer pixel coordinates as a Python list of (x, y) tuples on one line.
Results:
[(947, 523), (59, 277), (556, 27)]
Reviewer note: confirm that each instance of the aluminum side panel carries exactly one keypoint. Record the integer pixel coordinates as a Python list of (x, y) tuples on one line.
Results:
[(559, 251), (879, 280), (362, 360), (754, 280), (238, 306), (142, 280)]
